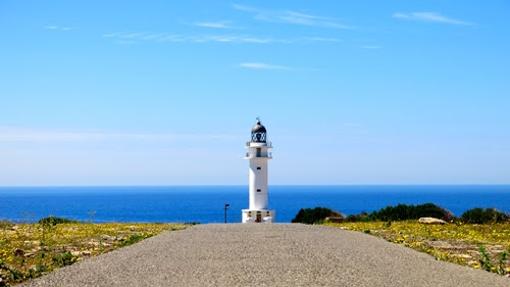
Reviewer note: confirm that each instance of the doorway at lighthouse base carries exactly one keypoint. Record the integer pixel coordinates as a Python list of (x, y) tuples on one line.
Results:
[(258, 216)]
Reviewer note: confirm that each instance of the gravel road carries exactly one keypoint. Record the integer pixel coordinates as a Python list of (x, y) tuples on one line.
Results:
[(266, 255)]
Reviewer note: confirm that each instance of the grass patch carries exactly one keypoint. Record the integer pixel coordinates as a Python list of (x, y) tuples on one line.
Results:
[(132, 239), (31, 250), (481, 246)]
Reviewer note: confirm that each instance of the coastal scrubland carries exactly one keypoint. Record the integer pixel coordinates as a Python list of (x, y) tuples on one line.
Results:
[(30, 250), (482, 246), (479, 238)]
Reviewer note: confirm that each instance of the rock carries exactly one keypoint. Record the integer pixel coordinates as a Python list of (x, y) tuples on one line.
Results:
[(86, 253), (108, 237), (93, 243), (431, 220), (496, 249), (440, 245), (29, 254), (19, 252), (75, 253)]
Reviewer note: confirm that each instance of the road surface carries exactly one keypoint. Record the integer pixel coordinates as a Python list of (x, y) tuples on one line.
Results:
[(266, 255)]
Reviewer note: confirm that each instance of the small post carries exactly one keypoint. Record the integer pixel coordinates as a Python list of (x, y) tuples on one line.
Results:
[(225, 208)]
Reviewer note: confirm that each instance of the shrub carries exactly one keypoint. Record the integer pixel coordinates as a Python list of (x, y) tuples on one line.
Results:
[(484, 215), (53, 220), (5, 224), (63, 259), (502, 263), (134, 238), (406, 212), (314, 215), (8, 273), (363, 217), (485, 259)]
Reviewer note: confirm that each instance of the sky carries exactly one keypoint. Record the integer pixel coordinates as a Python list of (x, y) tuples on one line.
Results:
[(166, 92)]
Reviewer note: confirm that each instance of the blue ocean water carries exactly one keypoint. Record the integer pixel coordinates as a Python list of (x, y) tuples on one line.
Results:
[(204, 204)]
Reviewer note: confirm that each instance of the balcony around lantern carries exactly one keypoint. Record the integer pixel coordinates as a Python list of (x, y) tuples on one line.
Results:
[(267, 144), (249, 156)]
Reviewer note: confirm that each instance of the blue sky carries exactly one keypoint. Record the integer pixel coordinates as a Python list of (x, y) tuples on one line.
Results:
[(165, 92)]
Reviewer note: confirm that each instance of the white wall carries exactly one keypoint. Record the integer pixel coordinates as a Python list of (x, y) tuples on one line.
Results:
[(258, 178)]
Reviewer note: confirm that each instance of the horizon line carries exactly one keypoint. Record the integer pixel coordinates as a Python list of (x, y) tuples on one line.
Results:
[(244, 185)]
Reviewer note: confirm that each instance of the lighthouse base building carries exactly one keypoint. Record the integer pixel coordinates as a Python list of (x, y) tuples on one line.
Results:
[(258, 216), (258, 155)]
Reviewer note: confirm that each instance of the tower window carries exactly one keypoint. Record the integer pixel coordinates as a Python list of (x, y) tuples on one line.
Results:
[(258, 168), (258, 190), (259, 152)]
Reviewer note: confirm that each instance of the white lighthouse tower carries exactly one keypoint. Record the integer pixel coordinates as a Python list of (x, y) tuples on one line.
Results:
[(258, 154)]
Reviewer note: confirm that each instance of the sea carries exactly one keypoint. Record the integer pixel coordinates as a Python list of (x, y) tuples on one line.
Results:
[(206, 204)]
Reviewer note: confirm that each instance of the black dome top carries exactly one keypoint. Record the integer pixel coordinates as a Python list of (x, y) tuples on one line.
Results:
[(258, 128), (258, 133)]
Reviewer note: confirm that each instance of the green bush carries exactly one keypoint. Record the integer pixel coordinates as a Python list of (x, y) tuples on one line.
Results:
[(8, 273), (484, 215), (53, 220), (314, 215), (406, 212), (63, 259), (134, 238), (362, 217), (502, 263), (485, 259)]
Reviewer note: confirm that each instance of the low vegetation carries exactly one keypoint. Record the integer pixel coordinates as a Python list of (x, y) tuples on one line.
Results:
[(30, 250), (53, 220), (399, 212), (481, 246), (484, 215), (406, 212), (479, 238), (314, 215), (402, 212)]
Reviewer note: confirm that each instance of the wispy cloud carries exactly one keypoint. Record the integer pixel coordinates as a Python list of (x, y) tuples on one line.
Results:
[(215, 25), (17, 134), (291, 17), (180, 38), (321, 39), (262, 66), (430, 17), (133, 37), (58, 28)]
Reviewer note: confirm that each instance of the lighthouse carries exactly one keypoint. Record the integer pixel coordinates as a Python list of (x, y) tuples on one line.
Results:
[(258, 155)]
